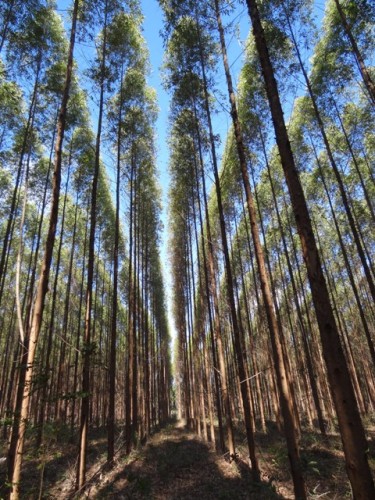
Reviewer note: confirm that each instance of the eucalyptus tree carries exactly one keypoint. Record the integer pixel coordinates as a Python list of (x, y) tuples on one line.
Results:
[(80, 144), (194, 58), (179, 269), (337, 77), (335, 81), (100, 78), (51, 394), (350, 424), (117, 48), (284, 386), (13, 14), (288, 18), (149, 220), (131, 119), (333, 91), (302, 133), (161, 380), (18, 435), (143, 214), (265, 171), (355, 21)]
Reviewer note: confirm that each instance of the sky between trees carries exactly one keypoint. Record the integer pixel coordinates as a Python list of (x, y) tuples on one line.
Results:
[(254, 150)]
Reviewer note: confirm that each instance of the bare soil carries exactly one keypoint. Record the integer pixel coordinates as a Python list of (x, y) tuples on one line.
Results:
[(175, 464)]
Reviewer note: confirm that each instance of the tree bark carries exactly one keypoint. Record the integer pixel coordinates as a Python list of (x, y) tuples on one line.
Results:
[(87, 347)]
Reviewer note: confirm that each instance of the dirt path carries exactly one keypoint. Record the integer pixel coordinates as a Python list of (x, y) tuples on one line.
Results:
[(176, 465)]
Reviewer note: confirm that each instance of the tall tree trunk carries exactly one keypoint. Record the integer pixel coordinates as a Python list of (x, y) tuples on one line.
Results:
[(78, 337), (85, 404), (210, 284), (112, 356), (301, 321), (129, 373), (42, 289), (146, 287), (351, 428), (47, 354), (134, 312), (228, 271), (39, 234), (286, 397), (67, 302)]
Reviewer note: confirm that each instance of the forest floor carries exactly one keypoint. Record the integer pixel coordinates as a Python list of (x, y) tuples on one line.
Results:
[(175, 464)]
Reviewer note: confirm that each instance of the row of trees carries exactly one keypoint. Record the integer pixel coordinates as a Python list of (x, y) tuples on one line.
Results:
[(84, 336), (272, 263)]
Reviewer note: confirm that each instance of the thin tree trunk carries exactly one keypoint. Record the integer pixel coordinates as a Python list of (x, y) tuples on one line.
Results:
[(85, 404), (129, 376), (47, 354), (67, 302), (15, 195), (285, 389), (210, 286), (78, 337), (112, 357), (332, 161), (228, 271), (309, 364)]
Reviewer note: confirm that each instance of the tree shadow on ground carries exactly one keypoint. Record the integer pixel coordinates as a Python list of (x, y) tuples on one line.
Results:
[(183, 467), (321, 456), (53, 464)]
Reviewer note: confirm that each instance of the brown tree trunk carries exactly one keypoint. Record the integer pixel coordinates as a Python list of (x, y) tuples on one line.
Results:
[(129, 373), (210, 285), (282, 378), (87, 347), (351, 428), (67, 302), (112, 356), (310, 367), (78, 334), (45, 270), (47, 354)]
